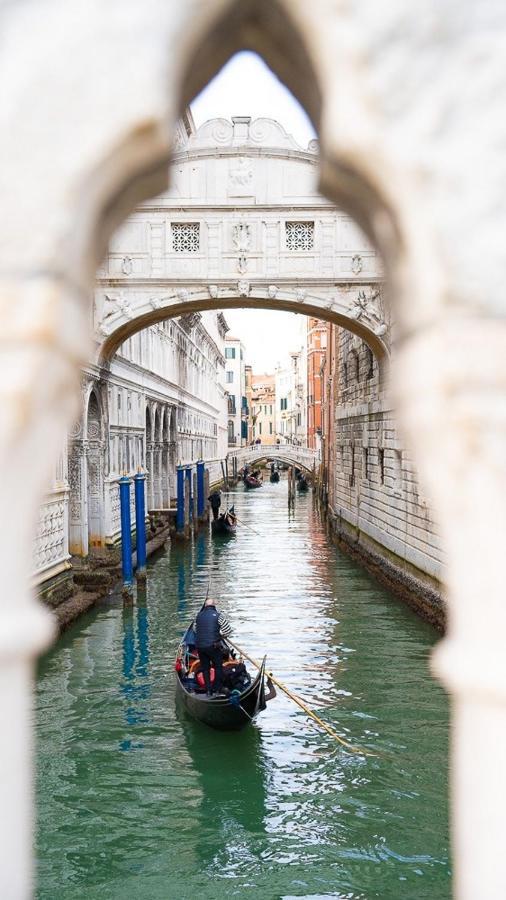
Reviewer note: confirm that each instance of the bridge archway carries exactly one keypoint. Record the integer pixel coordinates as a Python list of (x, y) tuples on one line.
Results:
[(121, 325)]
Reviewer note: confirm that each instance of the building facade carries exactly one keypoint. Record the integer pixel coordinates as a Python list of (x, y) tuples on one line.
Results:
[(263, 409), (316, 350), (376, 506), (235, 387)]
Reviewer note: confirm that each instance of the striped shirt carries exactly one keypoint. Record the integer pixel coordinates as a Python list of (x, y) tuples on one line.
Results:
[(224, 625)]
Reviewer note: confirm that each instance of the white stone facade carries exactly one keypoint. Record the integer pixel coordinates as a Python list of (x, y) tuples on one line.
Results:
[(235, 388)]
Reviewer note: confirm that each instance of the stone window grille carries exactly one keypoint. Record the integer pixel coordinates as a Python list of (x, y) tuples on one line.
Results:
[(299, 235), (185, 237)]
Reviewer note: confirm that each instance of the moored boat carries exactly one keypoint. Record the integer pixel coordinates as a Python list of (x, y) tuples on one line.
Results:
[(243, 697), (274, 477)]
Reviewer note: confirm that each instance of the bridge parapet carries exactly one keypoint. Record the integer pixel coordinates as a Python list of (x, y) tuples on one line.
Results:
[(303, 457)]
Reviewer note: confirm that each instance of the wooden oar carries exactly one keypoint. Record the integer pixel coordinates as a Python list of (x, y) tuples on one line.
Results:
[(303, 706), (246, 525)]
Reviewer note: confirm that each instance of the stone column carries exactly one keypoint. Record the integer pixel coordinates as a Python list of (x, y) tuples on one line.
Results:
[(150, 463), (165, 475), (451, 384), (78, 499), (39, 389)]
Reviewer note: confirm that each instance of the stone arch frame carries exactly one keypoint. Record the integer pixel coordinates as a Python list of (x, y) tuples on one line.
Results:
[(316, 59)]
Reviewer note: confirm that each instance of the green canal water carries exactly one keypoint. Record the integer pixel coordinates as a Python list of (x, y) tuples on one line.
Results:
[(135, 801)]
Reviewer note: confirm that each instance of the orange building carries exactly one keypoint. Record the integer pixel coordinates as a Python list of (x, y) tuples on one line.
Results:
[(329, 386), (316, 350)]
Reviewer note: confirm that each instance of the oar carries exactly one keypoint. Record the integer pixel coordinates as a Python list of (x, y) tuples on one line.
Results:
[(247, 526), (302, 705)]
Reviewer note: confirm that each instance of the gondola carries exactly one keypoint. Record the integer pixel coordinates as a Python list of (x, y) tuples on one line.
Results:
[(225, 713), (225, 524), (302, 484), (251, 481), (274, 477)]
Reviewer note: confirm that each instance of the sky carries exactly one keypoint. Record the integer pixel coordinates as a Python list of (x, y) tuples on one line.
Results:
[(246, 87)]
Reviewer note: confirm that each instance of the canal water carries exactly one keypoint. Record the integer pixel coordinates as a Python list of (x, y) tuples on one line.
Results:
[(135, 801)]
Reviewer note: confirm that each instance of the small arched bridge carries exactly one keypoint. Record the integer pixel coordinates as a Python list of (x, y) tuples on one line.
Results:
[(291, 454)]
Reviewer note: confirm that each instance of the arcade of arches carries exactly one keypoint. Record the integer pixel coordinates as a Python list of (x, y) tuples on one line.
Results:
[(382, 83)]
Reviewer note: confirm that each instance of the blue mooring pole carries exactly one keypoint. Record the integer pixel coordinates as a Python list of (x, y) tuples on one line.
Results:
[(201, 502), (190, 493), (140, 523), (126, 531), (180, 500)]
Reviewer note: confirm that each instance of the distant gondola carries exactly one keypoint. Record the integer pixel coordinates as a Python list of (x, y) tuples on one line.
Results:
[(226, 713), (225, 524), (251, 481), (274, 476), (302, 484)]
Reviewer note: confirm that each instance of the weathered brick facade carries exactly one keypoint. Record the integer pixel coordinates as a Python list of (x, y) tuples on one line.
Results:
[(376, 506)]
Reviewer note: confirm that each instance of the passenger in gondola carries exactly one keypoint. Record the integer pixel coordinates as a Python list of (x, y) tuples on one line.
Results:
[(211, 627), (215, 501)]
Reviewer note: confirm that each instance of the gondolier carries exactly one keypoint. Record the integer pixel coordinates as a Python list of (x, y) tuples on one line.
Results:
[(211, 627), (214, 500)]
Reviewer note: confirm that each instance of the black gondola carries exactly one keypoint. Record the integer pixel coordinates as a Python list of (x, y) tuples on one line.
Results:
[(251, 481), (226, 713), (225, 524), (302, 484)]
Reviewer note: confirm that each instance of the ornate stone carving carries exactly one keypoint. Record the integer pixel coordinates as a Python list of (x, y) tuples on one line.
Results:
[(300, 294), (243, 288), (272, 290), (127, 265), (124, 306), (356, 264), (242, 265), (370, 307), (183, 294), (155, 302), (241, 236), (214, 291), (241, 173), (188, 321), (49, 541)]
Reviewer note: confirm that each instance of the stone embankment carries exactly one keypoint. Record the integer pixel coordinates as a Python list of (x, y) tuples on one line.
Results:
[(100, 574)]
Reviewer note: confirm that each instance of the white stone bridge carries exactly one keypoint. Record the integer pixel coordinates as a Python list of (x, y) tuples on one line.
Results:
[(292, 455)]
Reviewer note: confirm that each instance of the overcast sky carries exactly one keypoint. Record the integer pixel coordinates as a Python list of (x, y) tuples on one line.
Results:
[(246, 87)]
